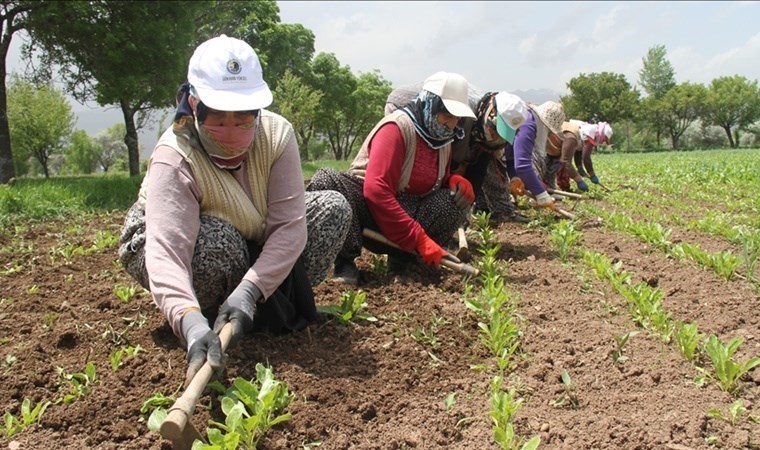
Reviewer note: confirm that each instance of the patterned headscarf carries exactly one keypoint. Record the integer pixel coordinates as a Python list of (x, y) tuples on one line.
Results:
[(486, 115), (424, 111)]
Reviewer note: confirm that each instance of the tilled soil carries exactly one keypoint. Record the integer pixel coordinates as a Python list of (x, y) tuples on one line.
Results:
[(382, 385)]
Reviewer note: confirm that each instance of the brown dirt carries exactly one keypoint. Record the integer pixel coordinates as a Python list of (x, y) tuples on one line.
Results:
[(372, 385)]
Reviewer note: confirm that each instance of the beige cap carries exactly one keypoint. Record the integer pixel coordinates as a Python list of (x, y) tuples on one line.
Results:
[(452, 88)]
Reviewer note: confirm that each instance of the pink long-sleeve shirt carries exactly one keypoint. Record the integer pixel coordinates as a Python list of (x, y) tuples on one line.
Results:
[(172, 221)]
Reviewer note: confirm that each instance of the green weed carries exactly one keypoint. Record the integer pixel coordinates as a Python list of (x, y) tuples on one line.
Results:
[(504, 406), (29, 416), (727, 371), (687, 339), (564, 236), (79, 384), (251, 409), (620, 342), (125, 293), (568, 396), (735, 412), (350, 309)]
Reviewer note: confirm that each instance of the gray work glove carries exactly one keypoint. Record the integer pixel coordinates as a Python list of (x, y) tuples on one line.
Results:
[(202, 344), (239, 309)]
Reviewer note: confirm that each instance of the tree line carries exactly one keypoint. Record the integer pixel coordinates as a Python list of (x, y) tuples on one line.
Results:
[(134, 55), (670, 109)]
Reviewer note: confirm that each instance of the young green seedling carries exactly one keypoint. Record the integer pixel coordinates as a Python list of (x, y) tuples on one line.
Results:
[(687, 339), (564, 236), (80, 383), (504, 405), (156, 405), (735, 412), (29, 415), (125, 293), (350, 308), (620, 341), (568, 395), (251, 409), (727, 371), (450, 401)]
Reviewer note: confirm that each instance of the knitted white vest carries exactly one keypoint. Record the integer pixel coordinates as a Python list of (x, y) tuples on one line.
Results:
[(222, 195)]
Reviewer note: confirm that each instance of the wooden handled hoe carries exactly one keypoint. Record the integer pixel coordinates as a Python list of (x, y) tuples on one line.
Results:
[(463, 251), (572, 195), (177, 426), (450, 261)]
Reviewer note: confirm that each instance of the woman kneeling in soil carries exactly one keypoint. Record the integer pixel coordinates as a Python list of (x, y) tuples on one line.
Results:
[(395, 182), (222, 217)]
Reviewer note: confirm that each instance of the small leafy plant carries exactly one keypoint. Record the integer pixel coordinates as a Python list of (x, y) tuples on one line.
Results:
[(115, 358), (156, 405), (80, 383), (427, 335), (350, 308), (125, 293), (29, 415), (620, 342), (104, 240), (727, 371), (735, 412), (568, 396), (70, 251), (687, 339), (450, 401), (251, 409), (504, 405), (564, 236)]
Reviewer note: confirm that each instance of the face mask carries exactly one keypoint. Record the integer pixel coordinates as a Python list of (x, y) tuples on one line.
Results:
[(226, 146), (230, 140)]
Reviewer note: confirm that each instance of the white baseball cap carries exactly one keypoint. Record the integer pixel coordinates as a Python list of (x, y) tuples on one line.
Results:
[(226, 74), (512, 112), (604, 132), (452, 88)]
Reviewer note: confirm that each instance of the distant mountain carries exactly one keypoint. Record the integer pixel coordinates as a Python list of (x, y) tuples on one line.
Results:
[(538, 96)]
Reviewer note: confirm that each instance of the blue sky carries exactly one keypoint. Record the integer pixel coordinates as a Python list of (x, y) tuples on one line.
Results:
[(533, 45)]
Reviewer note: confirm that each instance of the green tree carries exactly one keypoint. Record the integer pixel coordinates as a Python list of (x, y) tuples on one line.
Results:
[(337, 83), (280, 47), (13, 15), (733, 105), (40, 120), (681, 106), (600, 96), (83, 153), (111, 142), (657, 76), (367, 106), (130, 54), (298, 103)]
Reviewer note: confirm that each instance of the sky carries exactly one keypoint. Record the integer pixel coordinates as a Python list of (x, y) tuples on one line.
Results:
[(515, 46), (533, 45)]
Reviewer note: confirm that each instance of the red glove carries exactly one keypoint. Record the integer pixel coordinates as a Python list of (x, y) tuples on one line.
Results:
[(516, 186), (464, 195), (430, 251)]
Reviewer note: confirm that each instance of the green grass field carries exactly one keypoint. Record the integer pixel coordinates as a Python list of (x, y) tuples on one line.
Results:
[(732, 176)]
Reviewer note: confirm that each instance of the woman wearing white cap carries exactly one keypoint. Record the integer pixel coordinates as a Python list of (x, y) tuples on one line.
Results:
[(529, 149), (478, 155), (400, 182), (560, 154), (222, 217), (601, 133)]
